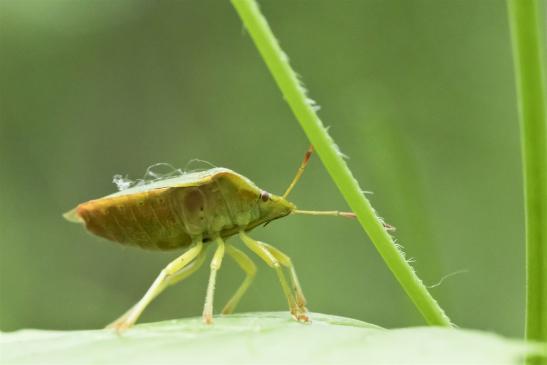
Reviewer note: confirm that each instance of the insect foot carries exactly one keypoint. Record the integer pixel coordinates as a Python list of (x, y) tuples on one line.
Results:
[(301, 312), (119, 326), (207, 318), (301, 316)]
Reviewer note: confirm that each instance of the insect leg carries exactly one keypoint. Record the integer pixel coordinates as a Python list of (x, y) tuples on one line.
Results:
[(250, 269), (177, 277), (161, 282), (188, 270), (299, 313), (215, 266), (287, 262)]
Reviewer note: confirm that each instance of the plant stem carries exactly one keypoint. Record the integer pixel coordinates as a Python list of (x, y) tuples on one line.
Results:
[(304, 110), (525, 32)]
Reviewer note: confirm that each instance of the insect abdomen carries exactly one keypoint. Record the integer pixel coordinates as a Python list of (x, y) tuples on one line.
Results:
[(145, 220)]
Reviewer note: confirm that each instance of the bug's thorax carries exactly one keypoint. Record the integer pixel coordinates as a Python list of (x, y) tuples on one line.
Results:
[(248, 206)]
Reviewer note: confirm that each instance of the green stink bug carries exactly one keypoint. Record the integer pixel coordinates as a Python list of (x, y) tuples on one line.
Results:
[(194, 210)]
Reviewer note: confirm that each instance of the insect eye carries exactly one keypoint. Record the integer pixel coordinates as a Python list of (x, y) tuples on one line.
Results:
[(264, 196)]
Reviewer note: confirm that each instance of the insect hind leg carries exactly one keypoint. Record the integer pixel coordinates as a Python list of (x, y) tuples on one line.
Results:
[(171, 274), (299, 312), (177, 277), (246, 265), (188, 270)]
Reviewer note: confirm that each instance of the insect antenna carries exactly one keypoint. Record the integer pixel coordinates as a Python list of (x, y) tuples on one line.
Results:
[(300, 171), (332, 213), (336, 213)]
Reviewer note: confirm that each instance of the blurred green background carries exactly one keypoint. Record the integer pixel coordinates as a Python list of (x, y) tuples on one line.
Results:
[(419, 95)]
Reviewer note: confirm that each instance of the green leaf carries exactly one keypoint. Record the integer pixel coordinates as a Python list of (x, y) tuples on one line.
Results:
[(262, 338)]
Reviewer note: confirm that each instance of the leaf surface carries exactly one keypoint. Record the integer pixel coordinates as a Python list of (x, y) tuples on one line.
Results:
[(262, 338)]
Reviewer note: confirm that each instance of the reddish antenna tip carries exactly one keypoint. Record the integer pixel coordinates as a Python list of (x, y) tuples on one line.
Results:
[(308, 154), (300, 171)]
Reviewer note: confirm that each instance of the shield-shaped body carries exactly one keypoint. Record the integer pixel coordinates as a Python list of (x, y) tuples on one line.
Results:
[(174, 212)]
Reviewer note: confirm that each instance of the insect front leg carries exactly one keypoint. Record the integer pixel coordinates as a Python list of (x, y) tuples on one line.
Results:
[(216, 262), (298, 312), (287, 262), (246, 265), (161, 282)]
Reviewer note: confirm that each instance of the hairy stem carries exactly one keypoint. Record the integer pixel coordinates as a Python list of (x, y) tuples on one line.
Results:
[(525, 32), (304, 110)]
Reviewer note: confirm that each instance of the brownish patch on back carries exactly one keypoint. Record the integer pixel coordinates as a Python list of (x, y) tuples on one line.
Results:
[(193, 201)]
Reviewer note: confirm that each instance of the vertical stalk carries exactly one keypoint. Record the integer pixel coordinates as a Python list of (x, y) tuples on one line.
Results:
[(525, 33), (305, 111)]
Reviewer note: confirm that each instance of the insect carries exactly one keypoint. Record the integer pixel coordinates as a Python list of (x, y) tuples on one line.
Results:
[(193, 211)]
